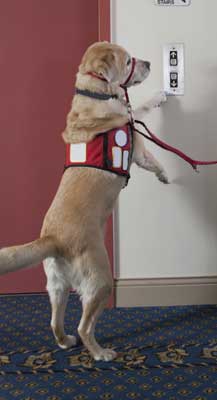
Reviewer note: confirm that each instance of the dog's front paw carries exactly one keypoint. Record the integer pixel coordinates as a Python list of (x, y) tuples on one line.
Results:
[(162, 176), (158, 99)]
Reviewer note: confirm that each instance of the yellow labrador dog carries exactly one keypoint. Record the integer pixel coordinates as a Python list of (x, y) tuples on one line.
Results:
[(72, 237)]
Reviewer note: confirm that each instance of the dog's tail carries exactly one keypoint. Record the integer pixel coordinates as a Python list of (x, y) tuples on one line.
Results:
[(27, 255)]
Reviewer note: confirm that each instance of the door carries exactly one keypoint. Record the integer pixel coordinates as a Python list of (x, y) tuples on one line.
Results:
[(41, 47)]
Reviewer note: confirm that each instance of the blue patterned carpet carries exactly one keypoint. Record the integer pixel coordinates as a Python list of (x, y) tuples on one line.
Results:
[(167, 353)]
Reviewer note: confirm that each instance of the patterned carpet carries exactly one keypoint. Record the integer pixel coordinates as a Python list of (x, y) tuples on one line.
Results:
[(167, 353)]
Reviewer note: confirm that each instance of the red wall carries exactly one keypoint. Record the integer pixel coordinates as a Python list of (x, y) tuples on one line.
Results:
[(41, 44)]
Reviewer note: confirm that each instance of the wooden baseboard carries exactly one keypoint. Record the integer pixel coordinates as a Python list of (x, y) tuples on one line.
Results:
[(166, 291)]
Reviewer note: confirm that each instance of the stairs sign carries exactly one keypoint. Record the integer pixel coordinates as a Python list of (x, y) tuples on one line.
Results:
[(173, 2)]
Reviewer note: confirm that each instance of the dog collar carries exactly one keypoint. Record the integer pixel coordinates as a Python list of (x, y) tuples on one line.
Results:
[(95, 95)]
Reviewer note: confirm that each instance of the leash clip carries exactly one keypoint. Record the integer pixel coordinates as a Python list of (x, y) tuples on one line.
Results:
[(130, 112), (129, 108)]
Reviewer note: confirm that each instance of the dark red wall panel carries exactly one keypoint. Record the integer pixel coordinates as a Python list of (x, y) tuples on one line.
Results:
[(41, 44)]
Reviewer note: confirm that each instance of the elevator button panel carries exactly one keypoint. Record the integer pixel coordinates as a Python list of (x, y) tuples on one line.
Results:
[(173, 68)]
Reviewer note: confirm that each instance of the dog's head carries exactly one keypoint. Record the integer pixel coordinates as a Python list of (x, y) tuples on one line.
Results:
[(113, 63)]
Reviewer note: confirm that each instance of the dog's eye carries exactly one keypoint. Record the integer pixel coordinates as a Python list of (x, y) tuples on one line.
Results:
[(128, 61)]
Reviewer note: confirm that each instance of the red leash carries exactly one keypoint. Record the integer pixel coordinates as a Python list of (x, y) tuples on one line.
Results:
[(156, 140)]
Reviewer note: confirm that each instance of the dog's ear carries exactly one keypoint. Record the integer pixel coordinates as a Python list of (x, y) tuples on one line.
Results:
[(100, 61), (106, 67)]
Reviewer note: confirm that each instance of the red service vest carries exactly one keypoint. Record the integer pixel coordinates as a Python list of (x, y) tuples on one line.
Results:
[(110, 151)]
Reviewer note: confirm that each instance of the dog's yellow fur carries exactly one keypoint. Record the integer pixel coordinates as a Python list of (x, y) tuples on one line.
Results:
[(72, 236)]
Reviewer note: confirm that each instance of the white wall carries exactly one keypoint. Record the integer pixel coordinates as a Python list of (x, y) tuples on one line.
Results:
[(171, 231)]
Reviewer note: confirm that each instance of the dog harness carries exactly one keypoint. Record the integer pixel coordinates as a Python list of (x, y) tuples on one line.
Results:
[(110, 151)]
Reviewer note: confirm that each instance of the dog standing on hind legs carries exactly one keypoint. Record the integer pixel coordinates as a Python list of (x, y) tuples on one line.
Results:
[(72, 237)]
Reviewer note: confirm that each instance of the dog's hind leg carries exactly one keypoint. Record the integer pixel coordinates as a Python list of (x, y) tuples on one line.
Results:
[(95, 291), (58, 289)]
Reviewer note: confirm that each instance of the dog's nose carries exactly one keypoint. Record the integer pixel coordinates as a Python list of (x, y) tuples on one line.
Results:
[(147, 64)]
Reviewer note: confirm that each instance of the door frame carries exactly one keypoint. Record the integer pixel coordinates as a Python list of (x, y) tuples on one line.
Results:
[(104, 29)]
